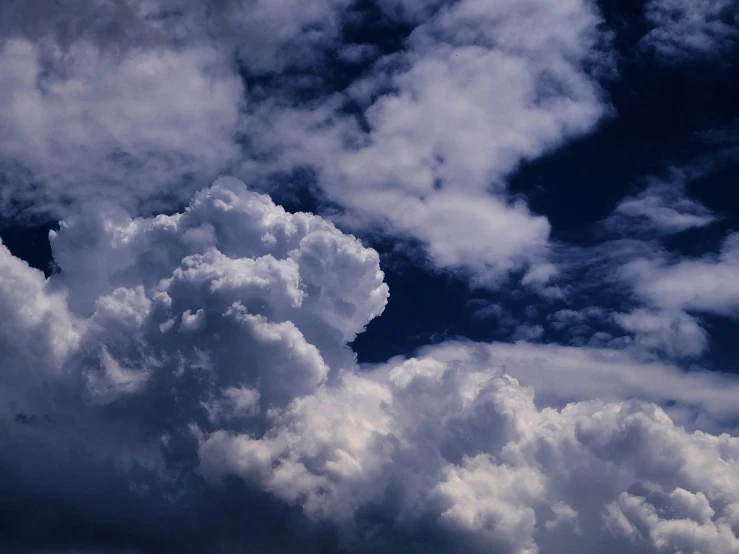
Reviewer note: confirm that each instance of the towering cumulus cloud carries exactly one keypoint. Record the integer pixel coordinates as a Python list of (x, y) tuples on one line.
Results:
[(158, 331), (184, 384)]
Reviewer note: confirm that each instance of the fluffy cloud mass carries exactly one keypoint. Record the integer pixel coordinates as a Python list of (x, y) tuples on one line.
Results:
[(194, 367), (82, 123), (458, 453), (140, 101)]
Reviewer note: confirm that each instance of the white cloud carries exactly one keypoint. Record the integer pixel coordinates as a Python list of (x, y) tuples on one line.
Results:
[(684, 30), (675, 333), (668, 291), (89, 124), (662, 207), (448, 447), (706, 284), (137, 101), (480, 88)]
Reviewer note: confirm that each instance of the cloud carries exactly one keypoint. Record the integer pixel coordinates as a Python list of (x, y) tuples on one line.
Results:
[(704, 284), (662, 208), (90, 125), (188, 376), (205, 319), (683, 30), (563, 374), (266, 36), (436, 128), (676, 334), (641, 282), (449, 449), (137, 102)]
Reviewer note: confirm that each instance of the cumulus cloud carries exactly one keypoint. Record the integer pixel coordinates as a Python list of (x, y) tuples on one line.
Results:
[(194, 369), (185, 382), (207, 318), (684, 30), (457, 454)]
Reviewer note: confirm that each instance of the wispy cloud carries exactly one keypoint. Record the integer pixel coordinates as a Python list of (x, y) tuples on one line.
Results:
[(683, 30)]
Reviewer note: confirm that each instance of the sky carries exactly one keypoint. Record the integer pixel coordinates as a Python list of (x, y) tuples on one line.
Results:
[(351, 276)]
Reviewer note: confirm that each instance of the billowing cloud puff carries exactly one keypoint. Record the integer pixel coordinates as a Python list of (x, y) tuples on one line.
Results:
[(455, 455), (193, 369), (208, 318)]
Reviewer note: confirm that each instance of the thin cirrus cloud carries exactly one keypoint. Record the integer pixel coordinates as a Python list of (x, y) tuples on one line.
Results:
[(662, 208)]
